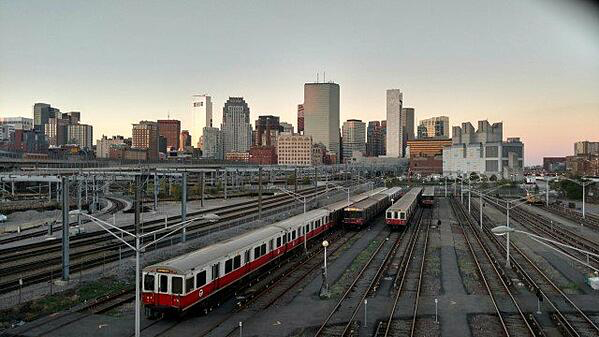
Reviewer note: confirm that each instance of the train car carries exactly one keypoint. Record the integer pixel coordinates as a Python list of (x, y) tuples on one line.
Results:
[(360, 213), (336, 209), (428, 196), (197, 278), (400, 213), (394, 193)]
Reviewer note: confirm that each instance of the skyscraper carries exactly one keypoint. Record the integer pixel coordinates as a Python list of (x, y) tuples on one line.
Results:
[(236, 127), (146, 137), (171, 130), (321, 114), (201, 112), (41, 113), (435, 127), (267, 130), (374, 139), (300, 118), (394, 134), (213, 143), (354, 138), (407, 128)]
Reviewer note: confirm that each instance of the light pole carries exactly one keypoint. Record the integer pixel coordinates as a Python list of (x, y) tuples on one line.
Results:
[(138, 248), (584, 185), (325, 285), (505, 230)]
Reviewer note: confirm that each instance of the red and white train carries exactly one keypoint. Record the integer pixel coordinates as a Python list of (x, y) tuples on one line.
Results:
[(360, 213), (177, 284), (399, 214), (428, 196)]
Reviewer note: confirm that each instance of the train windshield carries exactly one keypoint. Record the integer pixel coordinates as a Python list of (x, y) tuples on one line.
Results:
[(353, 214), (149, 282)]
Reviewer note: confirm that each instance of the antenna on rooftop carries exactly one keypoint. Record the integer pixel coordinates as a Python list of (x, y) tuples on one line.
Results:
[(317, 77)]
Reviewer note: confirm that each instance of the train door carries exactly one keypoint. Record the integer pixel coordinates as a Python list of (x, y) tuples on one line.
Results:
[(215, 276)]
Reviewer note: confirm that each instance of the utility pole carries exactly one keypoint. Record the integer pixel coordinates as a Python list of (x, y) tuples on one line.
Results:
[(79, 198), (202, 189), (295, 176), (155, 191), (260, 193), (65, 229), (184, 204), (226, 182)]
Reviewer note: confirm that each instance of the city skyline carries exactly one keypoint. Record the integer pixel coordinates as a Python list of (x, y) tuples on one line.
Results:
[(548, 77)]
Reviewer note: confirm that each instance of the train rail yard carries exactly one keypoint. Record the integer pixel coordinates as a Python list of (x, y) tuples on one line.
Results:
[(399, 262)]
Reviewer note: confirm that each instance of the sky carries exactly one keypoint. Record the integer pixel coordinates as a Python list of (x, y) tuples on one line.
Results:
[(533, 64)]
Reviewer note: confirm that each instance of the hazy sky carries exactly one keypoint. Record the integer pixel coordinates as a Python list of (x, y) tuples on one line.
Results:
[(533, 64)]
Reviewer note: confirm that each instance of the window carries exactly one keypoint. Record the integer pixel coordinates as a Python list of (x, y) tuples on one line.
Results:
[(307, 228), (201, 279), (278, 242), (215, 271), (293, 235), (289, 236), (189, 285), (270, 245), (163, 283), (228, 266), (149, 282), (177, 285), (257, 252), (389, 215), (402, 215), (284, 238), (237, 262), (247, 256), (263, 249)]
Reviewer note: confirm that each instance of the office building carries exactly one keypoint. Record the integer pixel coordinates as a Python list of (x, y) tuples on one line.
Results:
[(184, 140), (104, 144), (294, 150), (236, 127), (42, 112), (201, 113), (354, 138), (267, 130), (374, 139), (554, 164), (56, 131), (146, 137), (300, 118), (394, 133), (238, 156), (586, 147), (287, 127), (407, 128), (430, 147), (213, 143), (484, 152), (80, 134), (17, 123), (170, 129), (383, 145), (321, 114), (435, 127)]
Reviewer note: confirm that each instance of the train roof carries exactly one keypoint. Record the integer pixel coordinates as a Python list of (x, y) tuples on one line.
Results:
[(406, 200), (429, 191), (292, 222), (366, 202), (356, 198), (186, 263)]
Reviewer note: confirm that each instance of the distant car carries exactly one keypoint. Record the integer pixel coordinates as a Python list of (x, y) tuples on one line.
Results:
[(3, 218)]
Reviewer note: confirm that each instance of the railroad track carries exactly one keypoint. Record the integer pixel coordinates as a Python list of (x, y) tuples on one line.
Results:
[(572, 323), (542, 226), (494, 278), (271, 291), (409, 278), (43, 269), (353, 297), (590, 220), (117, 206)]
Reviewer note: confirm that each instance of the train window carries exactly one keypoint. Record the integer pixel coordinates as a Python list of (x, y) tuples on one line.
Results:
[(389, 215), (284, 238), (149, 282), (270, 245), (247, 255), (257, 252), (402, 215), (237, 262), (215, 271), (307, 230), (278, 242), (177, 285), (228, 266), (263, 252), (163, 284), (189, 285), (293, 235), (201, 279)]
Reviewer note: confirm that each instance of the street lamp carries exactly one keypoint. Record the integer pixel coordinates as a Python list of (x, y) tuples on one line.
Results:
[(138, 248), (505, 230), (325, 286)]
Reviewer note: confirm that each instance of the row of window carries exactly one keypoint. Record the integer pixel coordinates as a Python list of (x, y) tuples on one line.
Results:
[(231, 264), (394, 215)]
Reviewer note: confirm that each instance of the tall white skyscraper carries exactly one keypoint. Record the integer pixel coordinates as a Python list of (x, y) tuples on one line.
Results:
[(321, 114), (394, 132), (201, 112)]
